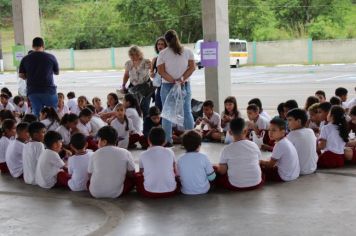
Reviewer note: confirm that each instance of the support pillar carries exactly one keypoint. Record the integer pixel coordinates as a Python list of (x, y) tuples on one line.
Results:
[(26, 19), (216, 28)]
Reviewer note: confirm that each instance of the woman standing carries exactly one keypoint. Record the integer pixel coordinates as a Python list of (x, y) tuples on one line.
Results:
[(160, 44), (175, 65), (137, 70)]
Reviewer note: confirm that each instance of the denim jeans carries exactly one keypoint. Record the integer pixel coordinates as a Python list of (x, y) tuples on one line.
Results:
[(188, 117), (145, 105), (40, 100)]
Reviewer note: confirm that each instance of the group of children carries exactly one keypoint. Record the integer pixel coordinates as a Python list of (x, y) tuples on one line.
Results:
[(84, 146)]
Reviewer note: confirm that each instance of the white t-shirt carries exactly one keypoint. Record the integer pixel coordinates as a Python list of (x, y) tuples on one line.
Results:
[(50, 125), (14, 157), (122, 133), (48, 166), (96, 124), (8, 107), (84, 128), (158, 173), (175, 64), (108, 166), (72, 103), (351, 103), (265, 115), (334, 142), (287, 160), (65, 110), (137, 121), (4, 143), (242, 159), (23, 109), (78, 168), (262, 123), (65, 133), (304, 141), (30, 154), (194, 169), (215, 120)]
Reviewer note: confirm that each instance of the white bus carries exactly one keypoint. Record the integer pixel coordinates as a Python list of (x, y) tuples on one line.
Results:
[(238, 52)]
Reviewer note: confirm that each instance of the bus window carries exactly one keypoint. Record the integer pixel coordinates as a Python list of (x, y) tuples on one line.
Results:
[(243, 47), (238, 47), (233, 47)]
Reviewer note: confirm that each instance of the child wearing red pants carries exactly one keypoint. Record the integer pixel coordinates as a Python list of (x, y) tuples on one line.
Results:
[(284, 163), (156, 178), (333, 138), (239, 162), (51, 170)]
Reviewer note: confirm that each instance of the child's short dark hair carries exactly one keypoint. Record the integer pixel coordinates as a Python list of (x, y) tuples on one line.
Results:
[(154, 111), (320, 92), (35, 127), (78, 141), (252, 107), (157, 136), (23, 126), (29, 118), (4, 95), (298, 114), (325, 106), (109, 134), (6, 114), (86, 112), (291, 104), (51, 138), (281, 124), (71, 95), (237, 126), (256, 101), (6, 125), (335, 101), (7, 91), (191, 141), (208, 103), (280, 107), (18, 99), (341, 91)]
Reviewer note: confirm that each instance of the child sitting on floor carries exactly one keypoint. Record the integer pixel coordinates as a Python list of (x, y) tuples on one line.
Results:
[(14, 150), (323, 111), (8, 132), (262, 112), (51, 170), (258, 125), (194, 168), (32, 151), (303, 139), (313, 121), (333, 138), (151, 121), (78, 163), (111, 169), (230, 112), (320, 94), (5, 104), (156, 178), (284, 163), (239, 161), (342, 94), (49, 117), (210, 123)]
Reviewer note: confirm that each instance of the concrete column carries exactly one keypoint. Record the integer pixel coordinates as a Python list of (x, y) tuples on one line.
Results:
[(216, 28), (1, 56), (26, 18)]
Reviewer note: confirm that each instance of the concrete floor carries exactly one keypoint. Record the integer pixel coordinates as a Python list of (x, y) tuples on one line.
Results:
[(319, 204)]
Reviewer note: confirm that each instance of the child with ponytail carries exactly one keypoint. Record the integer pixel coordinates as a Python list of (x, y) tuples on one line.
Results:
[(333, 138), (49, 117)]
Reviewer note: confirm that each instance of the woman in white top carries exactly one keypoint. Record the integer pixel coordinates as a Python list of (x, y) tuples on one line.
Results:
[(137, 69), (176, 64)]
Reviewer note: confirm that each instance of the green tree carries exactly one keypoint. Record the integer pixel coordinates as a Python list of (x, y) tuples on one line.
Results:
[(297, 15), (5, 12)]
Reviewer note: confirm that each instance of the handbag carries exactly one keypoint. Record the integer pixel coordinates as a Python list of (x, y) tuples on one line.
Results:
[(146, 89)]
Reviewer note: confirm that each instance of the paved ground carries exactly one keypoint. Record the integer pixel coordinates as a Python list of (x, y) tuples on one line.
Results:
[(272, 84), (319, 204)]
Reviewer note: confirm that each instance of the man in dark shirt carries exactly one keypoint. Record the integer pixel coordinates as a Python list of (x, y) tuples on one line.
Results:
[(37, 68)]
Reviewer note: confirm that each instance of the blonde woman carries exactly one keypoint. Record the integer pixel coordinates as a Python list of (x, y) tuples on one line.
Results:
[(137, 71)]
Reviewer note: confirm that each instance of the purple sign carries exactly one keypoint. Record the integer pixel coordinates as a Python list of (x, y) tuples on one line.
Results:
[(209, 54)]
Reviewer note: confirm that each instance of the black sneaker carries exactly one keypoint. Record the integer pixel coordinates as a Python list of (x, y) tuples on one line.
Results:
[(168, 145)]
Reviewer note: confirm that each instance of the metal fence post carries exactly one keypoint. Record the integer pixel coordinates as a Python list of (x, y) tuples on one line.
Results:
[(113, 64), (310, 51), (254, 52), (72, 64)]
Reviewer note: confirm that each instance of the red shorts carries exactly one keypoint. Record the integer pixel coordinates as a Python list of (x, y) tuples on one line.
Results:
[(353, 161), (62, 179), (331, 160), (223, 181), (134, 138), (142, 191), (92, 144), (129, 184), (271, 174), (3, 168)]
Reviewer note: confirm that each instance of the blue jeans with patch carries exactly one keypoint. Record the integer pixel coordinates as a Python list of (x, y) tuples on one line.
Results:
[(40, 100), (188, 117)]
